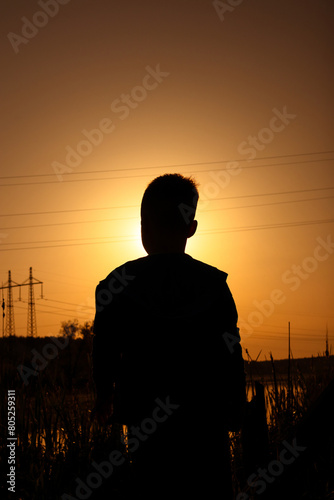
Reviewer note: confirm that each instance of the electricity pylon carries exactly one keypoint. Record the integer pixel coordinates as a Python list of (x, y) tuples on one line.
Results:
[(32, 324), (9, 330)]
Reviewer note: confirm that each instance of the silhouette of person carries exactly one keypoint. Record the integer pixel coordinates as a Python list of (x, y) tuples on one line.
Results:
[(167, 355)]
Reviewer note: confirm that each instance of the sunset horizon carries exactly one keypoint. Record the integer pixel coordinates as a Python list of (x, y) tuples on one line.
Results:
[(85, 131)]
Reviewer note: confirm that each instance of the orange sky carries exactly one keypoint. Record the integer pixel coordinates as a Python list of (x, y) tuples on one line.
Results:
[(101, 97)]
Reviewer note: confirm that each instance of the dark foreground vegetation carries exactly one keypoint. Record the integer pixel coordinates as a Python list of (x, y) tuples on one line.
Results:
[(285, 450)]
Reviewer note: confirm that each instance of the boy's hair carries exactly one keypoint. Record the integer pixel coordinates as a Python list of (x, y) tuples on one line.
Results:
[(170, 201)]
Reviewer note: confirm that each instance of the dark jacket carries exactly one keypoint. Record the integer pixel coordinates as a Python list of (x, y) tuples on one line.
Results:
[(166, 327)]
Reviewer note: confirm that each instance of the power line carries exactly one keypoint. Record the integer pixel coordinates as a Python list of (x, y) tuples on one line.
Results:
[(261, 335), (72, 311), (80, 315), (109, 238), (126, 238), (282, 334), (272, 194), (147, 175), (58, 313), (54, 307), (254, 195), (76, 280), (312, 331), (94, 221), (266, 226), (72, 210), (172, 166), (261, 204), (68, 303), (69, 223), (264, 337), (134, 238)]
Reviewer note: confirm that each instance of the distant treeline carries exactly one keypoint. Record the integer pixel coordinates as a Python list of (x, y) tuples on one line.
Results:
[(305, 366), (52, 361), (66, 361)]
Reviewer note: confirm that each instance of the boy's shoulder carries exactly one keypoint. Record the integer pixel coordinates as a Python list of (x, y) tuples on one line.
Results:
[(131, 269), (208, 269)]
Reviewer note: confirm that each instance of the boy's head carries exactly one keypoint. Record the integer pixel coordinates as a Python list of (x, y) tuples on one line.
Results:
[(167, 213)]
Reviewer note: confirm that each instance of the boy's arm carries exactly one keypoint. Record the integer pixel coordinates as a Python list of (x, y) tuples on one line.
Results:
[(234, 372), (105, 358)]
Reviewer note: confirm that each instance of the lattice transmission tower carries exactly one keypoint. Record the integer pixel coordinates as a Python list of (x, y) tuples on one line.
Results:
[(31, 323), (8, 308), (9, 328)]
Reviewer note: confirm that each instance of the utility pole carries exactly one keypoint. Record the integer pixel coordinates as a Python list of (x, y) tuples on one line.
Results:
[(289, 348), (289, 374), (32, 324), (3, 312), (327, 351)]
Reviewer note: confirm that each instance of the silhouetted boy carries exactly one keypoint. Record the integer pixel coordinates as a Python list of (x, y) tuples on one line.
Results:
[(167, 357)]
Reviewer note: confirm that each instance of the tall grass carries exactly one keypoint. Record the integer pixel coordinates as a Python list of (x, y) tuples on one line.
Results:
[(290, 396), (58, 440)]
